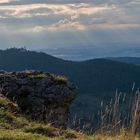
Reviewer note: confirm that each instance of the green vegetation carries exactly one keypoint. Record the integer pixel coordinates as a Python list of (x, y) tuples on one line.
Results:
[(60, 79), (15, 126)]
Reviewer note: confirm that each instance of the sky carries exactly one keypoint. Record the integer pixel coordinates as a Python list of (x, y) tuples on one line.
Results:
[(70, 25)]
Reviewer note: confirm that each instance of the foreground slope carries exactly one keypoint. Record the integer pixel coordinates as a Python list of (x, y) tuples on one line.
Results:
[(16, 126)]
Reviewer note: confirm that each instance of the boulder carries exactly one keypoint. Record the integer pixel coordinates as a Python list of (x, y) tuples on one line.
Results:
[(42, 96)]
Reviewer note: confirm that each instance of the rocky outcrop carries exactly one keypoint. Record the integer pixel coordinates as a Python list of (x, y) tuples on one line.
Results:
[(42, 96)]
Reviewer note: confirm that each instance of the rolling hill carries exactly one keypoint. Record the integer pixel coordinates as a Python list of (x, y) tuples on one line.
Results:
[(96, 79), (129, 60), (97, 75)]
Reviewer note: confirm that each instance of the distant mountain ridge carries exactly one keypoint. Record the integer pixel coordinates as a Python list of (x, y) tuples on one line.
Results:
[(91, 76), (85, 51), (96, 79), (129, 60)]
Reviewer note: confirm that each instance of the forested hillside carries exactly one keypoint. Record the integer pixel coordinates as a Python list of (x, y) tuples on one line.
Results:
[(93, 76)]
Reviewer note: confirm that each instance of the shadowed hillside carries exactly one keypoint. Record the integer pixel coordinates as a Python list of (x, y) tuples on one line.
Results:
[(129, 60), (96, 79), (94, 76)]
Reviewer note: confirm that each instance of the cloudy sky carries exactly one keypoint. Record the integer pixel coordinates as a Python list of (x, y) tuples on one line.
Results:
[(53, 24)]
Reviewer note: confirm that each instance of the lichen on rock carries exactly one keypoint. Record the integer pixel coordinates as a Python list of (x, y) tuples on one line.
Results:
[(40, 95)]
